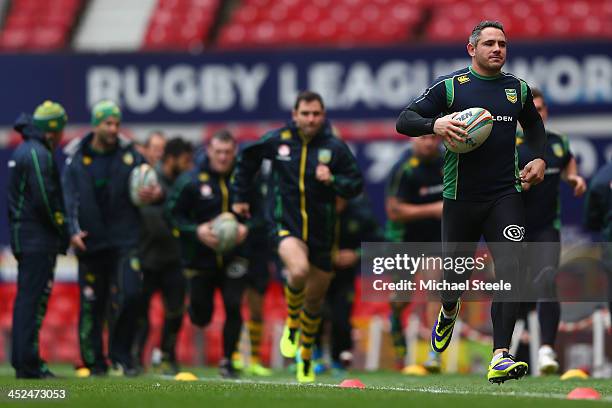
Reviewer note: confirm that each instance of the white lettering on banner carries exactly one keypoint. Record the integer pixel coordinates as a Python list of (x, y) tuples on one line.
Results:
[(359, 87), (216, 84), (383, 156), (103, 83), (287, 86), (393, 85), (324, 78), (566, 79), (181, 88), (586, 156), (147, 100), (389, 84), (565, 83), (399, 82), (598, 78), (249, 83)]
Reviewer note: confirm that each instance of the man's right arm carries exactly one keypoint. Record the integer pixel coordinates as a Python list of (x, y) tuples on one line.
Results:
[(71, 198), (179, 206), (400, 210), (424, 116), (248, 164), (411, 123)]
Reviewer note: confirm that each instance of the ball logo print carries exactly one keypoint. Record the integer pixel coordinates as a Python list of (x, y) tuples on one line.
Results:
[(284, 150), (206, 191), (514, 232), (478, 124)]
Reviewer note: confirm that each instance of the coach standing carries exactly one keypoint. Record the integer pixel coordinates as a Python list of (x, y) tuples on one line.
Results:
[(38, 232), (105, 230)]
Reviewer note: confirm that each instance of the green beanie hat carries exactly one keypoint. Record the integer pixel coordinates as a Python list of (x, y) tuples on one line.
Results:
[(50, 117), (103, 110)]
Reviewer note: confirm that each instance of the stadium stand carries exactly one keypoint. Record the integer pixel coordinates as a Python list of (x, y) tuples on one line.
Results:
[(320, 22), (361, 22), (180, 25), (555, 19), (33, 25), (114, 25)]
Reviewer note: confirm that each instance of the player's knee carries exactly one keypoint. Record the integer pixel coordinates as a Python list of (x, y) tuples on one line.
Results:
[(299, 272)]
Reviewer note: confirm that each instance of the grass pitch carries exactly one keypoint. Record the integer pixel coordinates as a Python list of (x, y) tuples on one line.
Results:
[(383, 389)]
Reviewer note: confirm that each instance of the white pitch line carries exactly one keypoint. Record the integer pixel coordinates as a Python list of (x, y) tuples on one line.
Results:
[(408, 389)]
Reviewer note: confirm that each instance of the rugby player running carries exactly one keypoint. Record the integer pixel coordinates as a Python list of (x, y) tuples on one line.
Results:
[(482, 188)]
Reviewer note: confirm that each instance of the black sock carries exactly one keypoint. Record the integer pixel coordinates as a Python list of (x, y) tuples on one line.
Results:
[(548, 316), (503, 316)]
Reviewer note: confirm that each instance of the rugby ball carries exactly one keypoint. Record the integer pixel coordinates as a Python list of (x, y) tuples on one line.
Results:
[(225, 227), (141, 176), (478, 124)]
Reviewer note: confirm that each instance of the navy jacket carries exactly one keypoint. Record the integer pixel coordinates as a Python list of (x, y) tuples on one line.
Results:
[(83, 212), (199, 196), (302, 206), (35, 203)]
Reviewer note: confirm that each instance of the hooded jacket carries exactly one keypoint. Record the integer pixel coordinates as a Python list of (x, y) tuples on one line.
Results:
[(122, 230), (301, 205), (35, 202)]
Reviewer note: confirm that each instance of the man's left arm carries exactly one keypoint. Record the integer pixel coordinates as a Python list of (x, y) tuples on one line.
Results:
[(535, 137), (570, 170), (46, 190)]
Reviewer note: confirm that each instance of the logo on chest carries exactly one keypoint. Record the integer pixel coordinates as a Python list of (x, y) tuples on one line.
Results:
[(206, 191), (557, 150), (324, 156), (511, 95), (283, 153)]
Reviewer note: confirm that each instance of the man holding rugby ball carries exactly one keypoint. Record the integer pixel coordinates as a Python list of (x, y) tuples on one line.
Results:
[(482, 188)]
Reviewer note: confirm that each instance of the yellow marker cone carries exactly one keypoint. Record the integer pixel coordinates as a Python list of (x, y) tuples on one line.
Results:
[(415, 369), (185, 376), (83, 372), (574, 374)]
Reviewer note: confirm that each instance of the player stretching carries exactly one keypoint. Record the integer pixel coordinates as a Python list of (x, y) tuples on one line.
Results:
[(310, 168), (482, 188)]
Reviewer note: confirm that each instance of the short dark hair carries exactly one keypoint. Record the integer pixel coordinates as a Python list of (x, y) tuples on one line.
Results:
[(223, 135), (475, 36), (308, 96), (176, 147), (537, 93), (152, 135)]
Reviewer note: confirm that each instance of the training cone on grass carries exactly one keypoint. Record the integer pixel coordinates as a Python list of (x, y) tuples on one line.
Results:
[(83, 372), (352, 383), (573, 374), (583, 394), (185, 376), (415, 369)]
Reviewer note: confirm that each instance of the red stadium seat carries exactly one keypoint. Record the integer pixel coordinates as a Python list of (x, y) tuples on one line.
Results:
[(194, 18), (39, 25), (320, 22)]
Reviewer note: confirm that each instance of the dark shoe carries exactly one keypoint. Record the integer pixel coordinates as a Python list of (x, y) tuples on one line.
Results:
[(122, 370), (227, 370), (167, 367)]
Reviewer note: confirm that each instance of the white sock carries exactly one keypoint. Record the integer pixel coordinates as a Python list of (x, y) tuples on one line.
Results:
[(496, 357)]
